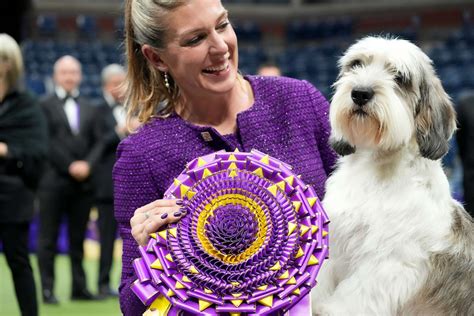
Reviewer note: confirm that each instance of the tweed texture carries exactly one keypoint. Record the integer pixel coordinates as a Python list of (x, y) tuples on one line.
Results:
[(288, 120)]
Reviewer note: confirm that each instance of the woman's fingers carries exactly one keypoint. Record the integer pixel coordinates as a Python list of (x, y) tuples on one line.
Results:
[(161, 216), (157, 203), (151, 217), (143, 213)]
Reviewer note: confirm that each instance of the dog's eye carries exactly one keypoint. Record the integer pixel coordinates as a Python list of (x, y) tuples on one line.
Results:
[(402, 80), (355, 63), (399, 79)]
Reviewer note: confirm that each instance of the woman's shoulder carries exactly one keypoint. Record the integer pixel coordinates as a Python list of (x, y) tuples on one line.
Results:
[(282, 87), (22, 98), (279, 82), (288, 93), (25, 103), (156, 133), (149, 131)]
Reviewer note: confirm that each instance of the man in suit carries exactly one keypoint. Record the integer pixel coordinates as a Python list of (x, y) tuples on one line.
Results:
[(66, 187), (112, 115), (465, 140)]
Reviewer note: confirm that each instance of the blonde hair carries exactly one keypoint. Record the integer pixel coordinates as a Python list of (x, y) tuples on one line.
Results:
[(10, 53), (146, 93)]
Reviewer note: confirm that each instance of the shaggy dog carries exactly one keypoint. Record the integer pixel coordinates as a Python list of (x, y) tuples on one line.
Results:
[(400, 245)]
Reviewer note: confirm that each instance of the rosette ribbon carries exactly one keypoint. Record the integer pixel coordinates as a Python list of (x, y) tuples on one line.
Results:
[(251, 243)]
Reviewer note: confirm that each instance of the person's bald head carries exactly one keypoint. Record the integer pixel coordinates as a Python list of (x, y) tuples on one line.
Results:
[(67, 73), (113, 77)]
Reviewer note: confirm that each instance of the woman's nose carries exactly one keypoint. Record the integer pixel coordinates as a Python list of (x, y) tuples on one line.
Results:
[(218, 45)]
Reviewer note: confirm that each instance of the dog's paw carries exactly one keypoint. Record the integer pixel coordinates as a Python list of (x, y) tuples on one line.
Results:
[(321, 310)]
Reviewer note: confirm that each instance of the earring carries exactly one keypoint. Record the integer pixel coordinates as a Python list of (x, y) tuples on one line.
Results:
[(167, 84)]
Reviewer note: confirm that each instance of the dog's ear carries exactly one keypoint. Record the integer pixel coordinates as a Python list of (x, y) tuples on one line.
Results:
[(435, 118), (341, 147)]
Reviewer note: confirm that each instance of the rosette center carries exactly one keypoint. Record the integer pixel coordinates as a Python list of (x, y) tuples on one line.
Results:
[(231, 229)]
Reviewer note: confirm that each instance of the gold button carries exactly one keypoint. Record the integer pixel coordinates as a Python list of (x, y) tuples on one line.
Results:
[(206, 136)]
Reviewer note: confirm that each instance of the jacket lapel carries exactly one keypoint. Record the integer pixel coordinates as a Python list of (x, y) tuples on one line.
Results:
[(82, 115), (59, 109)]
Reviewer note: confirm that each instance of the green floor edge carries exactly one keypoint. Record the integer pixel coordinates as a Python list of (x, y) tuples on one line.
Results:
[(108, 307)]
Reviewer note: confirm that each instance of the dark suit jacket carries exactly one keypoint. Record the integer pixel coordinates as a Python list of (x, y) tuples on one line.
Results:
[(110, 141), (465, 140), (66, 147), (23, 129)]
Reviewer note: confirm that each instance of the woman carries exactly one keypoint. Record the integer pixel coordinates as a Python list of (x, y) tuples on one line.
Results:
[(22, 151), (183, 82)]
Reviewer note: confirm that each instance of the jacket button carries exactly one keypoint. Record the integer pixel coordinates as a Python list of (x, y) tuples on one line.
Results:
[(206, 136)]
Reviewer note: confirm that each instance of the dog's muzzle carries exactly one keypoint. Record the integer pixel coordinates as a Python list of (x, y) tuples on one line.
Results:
[(361, 96)]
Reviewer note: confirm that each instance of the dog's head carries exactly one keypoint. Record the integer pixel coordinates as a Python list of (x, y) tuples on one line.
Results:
[(386, 95)]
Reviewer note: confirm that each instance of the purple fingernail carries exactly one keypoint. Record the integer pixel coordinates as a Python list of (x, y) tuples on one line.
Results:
[(164, 215), (177, 214), (179, 202), (183, 209)]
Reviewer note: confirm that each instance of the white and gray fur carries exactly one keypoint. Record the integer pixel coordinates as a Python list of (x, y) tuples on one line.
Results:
[(400, 245)]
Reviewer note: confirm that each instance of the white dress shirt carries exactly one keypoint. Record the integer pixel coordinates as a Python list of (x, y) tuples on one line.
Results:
[(71, 108)]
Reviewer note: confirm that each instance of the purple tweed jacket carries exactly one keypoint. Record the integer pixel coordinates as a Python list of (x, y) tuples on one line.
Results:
[(288, 120)]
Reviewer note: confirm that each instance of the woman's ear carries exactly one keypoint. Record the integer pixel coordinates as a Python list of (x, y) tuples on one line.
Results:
[(154, 58)]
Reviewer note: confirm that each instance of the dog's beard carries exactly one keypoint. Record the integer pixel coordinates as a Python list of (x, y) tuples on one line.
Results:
[(362, 129)]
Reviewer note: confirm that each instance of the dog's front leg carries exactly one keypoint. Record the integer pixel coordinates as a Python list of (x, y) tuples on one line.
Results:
[(326, 284), (374, 289)]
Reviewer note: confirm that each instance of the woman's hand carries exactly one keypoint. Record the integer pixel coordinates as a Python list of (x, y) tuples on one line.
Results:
[(3, 149), (149, 218)]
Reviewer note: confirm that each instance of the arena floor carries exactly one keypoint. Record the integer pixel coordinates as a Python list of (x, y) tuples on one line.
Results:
[(108, 307)]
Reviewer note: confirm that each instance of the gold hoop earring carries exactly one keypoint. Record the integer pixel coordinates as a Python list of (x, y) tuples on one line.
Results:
[(167, 84)]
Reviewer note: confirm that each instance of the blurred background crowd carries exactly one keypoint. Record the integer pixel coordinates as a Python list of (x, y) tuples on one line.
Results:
[(296, 38)]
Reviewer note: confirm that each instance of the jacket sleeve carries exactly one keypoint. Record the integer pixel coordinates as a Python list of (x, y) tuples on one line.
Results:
[(461, 133), (26, 155), (133, 188)]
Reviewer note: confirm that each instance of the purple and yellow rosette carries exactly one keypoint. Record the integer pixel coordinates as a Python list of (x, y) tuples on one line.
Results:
[(252, 242)]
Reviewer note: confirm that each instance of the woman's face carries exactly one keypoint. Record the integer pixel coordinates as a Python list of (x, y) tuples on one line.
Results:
[(201, 53)]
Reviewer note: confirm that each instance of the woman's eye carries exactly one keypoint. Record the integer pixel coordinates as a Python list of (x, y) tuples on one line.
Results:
[(195, 40), (223, 25)]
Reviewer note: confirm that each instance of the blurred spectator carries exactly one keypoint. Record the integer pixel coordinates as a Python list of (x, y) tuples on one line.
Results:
[(465, 140), (23, 143), (269, 69), (112, 123), (66, 188)]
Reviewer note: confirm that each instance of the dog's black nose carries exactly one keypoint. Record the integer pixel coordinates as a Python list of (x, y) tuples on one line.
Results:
[(361, 96)]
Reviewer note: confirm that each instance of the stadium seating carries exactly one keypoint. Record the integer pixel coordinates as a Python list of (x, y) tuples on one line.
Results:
[(311, 52)]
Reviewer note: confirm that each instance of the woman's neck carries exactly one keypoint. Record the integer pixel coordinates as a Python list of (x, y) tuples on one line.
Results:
[(218, 111)]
